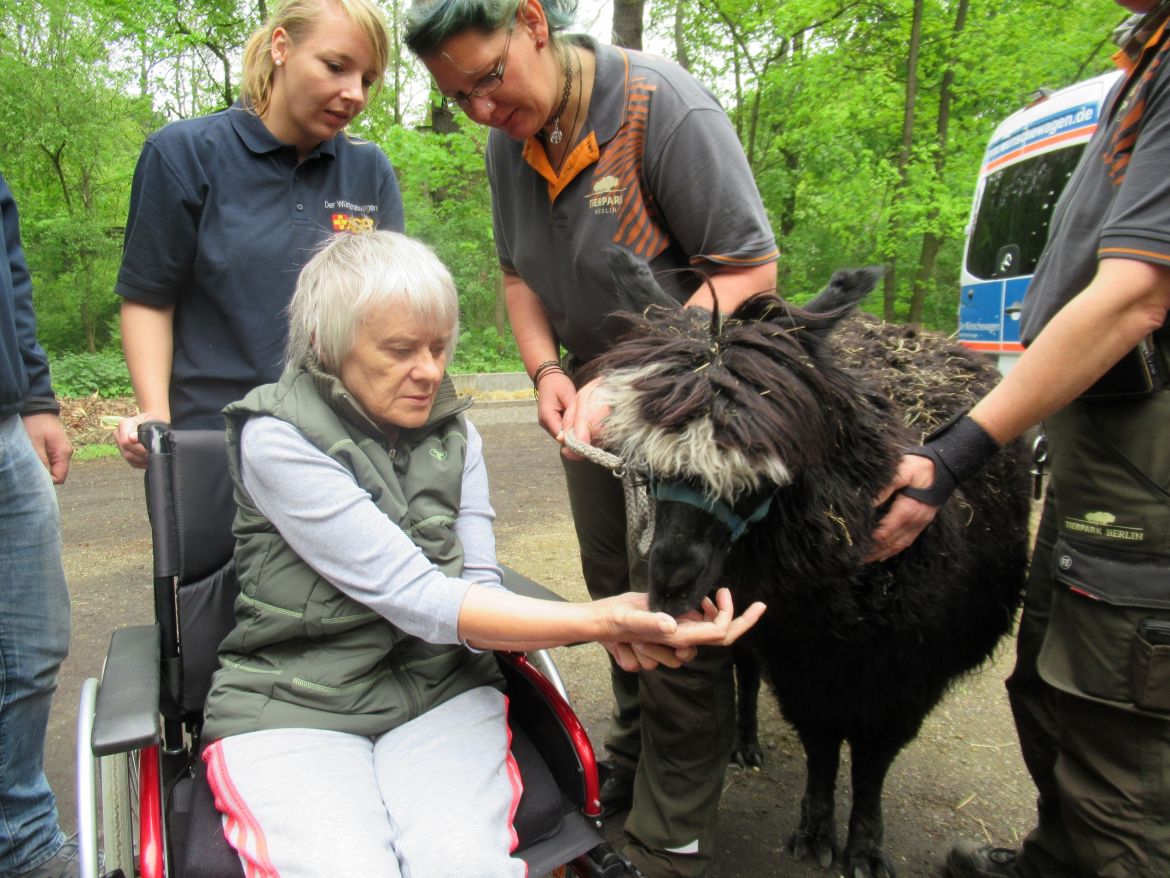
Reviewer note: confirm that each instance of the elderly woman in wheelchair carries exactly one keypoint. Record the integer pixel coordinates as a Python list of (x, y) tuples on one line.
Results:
[(356, 726)]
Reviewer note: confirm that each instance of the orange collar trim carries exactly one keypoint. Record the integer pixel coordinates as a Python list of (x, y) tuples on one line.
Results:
[(1126, 62), (583, 155)]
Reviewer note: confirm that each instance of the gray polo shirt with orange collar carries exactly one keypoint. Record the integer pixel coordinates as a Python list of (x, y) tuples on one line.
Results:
[(659, 171)]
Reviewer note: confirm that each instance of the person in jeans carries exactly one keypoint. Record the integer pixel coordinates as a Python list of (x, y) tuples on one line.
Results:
[(34, 601)]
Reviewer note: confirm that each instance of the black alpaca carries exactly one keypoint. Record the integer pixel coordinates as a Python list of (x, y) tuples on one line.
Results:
[(766, 435)]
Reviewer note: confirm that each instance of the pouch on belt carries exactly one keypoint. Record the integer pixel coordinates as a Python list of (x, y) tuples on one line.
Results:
[(1109, 635)]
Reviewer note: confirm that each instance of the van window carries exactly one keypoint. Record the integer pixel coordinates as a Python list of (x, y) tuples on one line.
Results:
[(1011, 226)]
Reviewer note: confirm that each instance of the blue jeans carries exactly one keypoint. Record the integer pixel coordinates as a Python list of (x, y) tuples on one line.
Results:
[(34, 639)]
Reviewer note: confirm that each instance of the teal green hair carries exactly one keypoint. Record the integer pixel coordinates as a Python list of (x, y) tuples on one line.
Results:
[(430, 23)]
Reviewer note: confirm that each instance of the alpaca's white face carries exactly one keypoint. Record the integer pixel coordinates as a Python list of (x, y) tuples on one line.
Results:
[(727, 474)]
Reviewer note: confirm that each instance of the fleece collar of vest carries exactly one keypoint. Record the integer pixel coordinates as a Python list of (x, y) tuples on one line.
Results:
[(447, 402)]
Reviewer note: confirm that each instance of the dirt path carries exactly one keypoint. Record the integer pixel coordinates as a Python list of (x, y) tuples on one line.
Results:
[(962, 777)]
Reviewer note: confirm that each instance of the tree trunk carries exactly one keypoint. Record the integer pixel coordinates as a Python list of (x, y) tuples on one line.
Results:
[(396, 57), (442, 119), (681, 55), (932, 241), (627, 23), (889, 292)]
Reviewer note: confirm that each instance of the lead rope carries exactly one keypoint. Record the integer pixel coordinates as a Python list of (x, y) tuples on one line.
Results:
[(639, 509)]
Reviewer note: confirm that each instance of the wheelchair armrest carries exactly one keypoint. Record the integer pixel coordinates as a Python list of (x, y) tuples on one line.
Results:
[(126, 715), (520, 584)]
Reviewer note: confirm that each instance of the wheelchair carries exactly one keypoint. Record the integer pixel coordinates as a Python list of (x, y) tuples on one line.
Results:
[(138, 766)]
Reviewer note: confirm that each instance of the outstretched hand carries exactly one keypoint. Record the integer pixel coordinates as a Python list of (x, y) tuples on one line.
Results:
[(648, 656), (672, 642), (716, 623)]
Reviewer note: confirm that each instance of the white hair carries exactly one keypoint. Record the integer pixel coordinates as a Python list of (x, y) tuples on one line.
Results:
[(353, 275)]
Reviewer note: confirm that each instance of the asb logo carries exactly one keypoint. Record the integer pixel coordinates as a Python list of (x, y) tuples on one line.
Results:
[(345, 222)]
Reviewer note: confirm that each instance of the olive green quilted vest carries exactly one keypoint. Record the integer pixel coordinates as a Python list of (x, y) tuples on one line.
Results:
[(302, 654)]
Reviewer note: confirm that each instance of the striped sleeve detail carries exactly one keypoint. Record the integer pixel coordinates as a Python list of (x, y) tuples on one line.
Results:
[(740, 261), (1134, 253), (1132, 108)]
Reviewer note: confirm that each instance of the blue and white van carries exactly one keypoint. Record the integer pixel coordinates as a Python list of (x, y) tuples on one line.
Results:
[(1028, 161)]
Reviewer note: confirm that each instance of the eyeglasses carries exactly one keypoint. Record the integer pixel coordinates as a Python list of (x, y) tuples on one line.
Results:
[(489, 83)]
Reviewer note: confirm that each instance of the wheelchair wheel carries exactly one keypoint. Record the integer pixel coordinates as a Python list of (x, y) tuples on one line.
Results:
[(120, 812)]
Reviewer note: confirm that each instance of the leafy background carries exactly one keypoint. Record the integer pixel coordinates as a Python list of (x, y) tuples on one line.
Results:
[(864, 121)]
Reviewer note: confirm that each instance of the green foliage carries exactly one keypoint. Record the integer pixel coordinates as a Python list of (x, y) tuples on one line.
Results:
[(816, 89), (485, 350), (103, 373), (95, 452), (69, 137), (447, 203)]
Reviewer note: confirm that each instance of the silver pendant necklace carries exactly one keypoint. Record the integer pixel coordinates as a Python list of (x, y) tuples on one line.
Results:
[(556, 135)]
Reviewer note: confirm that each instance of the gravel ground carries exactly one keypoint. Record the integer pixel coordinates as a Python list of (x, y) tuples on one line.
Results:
[(962, 777)]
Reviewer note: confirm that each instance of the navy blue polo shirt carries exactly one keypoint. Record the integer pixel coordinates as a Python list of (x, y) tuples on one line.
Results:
[(222, 219)]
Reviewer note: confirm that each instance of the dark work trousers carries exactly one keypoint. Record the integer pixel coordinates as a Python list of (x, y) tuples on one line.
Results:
[(1090, 693), (673, 727)]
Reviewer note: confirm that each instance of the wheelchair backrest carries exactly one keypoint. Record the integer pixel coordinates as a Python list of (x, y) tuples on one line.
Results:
[(189, 499)]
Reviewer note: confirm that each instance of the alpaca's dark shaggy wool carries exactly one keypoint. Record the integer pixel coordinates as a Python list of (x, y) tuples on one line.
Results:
[(813, 408)]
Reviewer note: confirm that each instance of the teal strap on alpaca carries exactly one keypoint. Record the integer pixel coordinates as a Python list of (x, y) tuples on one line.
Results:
[(679, 492)]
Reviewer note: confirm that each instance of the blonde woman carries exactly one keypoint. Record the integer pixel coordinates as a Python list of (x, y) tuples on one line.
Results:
[(227, 208)]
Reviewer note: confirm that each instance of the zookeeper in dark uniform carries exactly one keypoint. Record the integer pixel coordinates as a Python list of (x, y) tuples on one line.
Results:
[(591, 146), (1091, 688)]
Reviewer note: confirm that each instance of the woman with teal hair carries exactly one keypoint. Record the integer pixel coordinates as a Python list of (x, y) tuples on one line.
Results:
[(592, 146)]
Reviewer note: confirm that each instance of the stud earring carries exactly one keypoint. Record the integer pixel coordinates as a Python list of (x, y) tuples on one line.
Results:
[(278, 62), (539, 43)]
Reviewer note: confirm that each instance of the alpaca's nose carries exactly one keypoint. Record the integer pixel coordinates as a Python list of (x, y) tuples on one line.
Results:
[(676, 568)]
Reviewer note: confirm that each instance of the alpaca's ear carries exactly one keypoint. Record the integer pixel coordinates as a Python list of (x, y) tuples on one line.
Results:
[(845, 289), (839, 298), (634, 282)]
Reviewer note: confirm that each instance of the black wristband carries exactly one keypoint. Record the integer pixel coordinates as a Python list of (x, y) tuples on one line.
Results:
[(36, 405), (959, 449)]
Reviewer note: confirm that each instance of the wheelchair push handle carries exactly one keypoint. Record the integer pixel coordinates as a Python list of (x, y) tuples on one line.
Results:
[(153, 436)]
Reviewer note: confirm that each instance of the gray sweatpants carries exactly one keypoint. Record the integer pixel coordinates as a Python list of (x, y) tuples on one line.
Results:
[(430, 799)]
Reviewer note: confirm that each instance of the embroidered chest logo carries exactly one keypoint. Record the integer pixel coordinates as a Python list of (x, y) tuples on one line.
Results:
[(345, 222), (350, 217), (438, 454), (1103, 524), (607, 195)]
